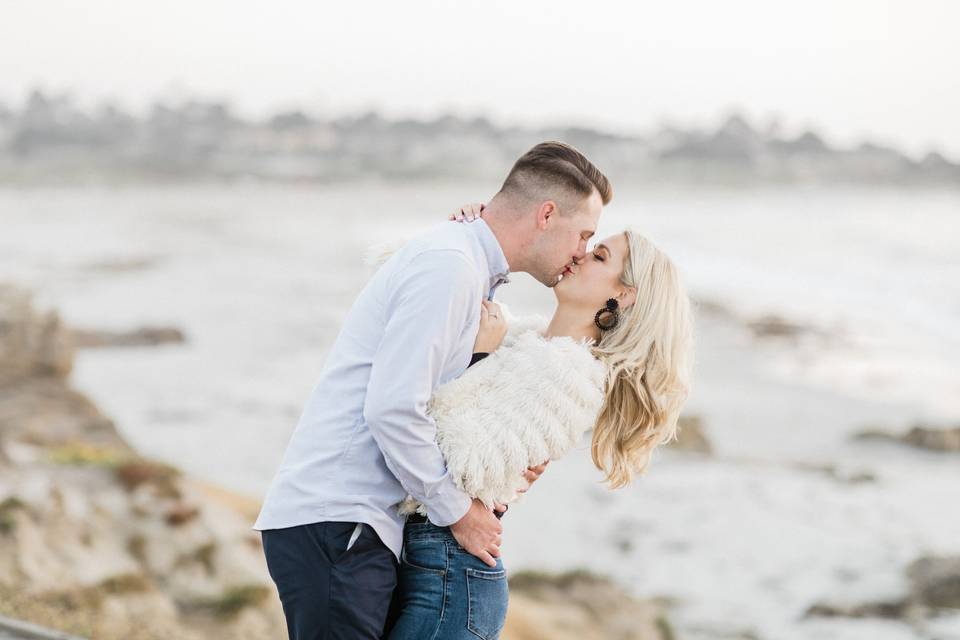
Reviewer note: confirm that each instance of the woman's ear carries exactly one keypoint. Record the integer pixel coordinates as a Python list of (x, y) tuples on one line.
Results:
[(627, 297)]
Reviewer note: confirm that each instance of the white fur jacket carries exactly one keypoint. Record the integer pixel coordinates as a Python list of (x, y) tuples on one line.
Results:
[(528, 401)]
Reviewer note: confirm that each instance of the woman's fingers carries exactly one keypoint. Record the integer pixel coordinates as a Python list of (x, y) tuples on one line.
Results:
[(532, 474), (491, 307), (487, 558), (468, 212), (540, 468)]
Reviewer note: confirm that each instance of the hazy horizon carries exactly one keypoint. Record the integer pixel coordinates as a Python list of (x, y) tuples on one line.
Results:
[(878, 70)]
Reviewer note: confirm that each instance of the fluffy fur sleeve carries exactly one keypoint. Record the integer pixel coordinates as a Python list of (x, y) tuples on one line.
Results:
[(530, 401), (520, 325)]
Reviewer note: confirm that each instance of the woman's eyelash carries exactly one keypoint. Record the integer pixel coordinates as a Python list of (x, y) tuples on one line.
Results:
[(598, 257)]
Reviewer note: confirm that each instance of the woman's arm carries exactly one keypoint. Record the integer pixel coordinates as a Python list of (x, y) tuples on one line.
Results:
[(523, 405)]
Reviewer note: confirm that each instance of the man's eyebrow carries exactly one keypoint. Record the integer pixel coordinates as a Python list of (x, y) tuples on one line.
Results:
[(589, 234)]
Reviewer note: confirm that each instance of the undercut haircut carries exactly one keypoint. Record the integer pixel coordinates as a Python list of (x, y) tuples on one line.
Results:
[(550, 168)]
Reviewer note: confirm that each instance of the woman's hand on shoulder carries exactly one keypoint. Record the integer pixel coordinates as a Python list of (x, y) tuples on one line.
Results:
[(468, 212), (493, 327)]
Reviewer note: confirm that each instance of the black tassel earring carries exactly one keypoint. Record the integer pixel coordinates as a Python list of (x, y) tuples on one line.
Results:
[(609, 317)]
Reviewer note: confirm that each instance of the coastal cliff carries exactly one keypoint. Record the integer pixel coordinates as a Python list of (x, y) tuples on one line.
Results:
[(99, 541)]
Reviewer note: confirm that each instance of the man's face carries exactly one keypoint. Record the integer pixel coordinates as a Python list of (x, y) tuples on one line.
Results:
[(564, 241)]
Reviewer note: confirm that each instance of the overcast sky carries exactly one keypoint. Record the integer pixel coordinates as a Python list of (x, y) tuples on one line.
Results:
[(887, 69)]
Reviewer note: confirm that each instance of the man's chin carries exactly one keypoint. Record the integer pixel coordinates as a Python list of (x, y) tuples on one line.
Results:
[(550, 282)]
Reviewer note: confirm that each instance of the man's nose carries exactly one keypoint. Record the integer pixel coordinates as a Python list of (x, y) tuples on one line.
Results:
[(582, 250)]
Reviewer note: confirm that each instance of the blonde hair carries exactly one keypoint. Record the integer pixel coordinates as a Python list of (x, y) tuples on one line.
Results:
[(649, 358)]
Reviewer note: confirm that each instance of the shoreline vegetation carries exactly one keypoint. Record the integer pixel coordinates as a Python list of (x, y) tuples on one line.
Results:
[(99, 541), (50, 140)]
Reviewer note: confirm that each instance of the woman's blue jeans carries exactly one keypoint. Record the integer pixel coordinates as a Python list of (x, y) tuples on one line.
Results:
[(444, 592)]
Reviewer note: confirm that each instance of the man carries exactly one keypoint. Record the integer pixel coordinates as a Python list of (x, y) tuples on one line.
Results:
[(331, 533)]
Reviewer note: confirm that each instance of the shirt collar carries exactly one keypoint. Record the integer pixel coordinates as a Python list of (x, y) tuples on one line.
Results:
[(497, 265)]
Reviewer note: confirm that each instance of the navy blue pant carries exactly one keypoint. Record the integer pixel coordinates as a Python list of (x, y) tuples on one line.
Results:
[(329, 592)]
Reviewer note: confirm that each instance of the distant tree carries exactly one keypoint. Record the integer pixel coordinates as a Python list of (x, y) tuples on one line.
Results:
[(290, 120)]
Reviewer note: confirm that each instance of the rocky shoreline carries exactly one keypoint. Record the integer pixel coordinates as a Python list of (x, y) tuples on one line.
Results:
[(934, 589), (99, 541)]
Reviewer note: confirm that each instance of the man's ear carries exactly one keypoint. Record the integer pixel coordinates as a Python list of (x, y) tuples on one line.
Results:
[(547, 210)]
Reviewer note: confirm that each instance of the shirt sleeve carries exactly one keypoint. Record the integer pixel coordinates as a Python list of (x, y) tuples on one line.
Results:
[(428, 306)]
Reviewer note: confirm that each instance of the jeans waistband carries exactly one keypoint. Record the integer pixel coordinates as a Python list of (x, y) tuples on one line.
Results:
[(424, 530)]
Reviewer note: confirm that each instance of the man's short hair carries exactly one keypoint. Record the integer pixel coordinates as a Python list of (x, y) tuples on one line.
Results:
[(550, 164)]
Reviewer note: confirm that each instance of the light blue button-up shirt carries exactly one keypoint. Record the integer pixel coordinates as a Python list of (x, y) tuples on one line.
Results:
[(364, 440)]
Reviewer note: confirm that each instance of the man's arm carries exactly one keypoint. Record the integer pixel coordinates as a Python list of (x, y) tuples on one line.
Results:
[(427, 308)]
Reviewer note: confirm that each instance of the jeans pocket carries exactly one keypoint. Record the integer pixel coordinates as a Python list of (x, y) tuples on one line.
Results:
[(425, 555), (487, 596)]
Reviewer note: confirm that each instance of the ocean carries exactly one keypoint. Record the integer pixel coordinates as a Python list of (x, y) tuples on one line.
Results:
[(260, 276)]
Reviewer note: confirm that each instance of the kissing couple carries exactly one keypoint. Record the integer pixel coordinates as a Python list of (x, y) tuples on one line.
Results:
[(436, 409)]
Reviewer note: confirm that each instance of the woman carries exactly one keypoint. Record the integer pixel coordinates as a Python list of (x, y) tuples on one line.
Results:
[(615, 358)]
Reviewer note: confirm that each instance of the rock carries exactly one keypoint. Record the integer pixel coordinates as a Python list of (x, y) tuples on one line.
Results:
[(932, 438), (935, 581), (579, 606), (691, 435), (31, 344), (890, 610), (708, 306), (180, 514), (934, 587), (122, 265), (43, 411), (773, 326), (875, 434), (920, 435), (142, 337), (832, 471)]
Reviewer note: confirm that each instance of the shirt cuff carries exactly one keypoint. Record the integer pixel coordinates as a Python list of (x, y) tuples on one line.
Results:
[(449, 505)]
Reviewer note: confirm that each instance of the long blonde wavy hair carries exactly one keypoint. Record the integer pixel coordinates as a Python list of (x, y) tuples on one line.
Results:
[(649, 359)]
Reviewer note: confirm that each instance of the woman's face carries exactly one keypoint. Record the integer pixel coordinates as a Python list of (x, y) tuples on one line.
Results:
[(596, 278)]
